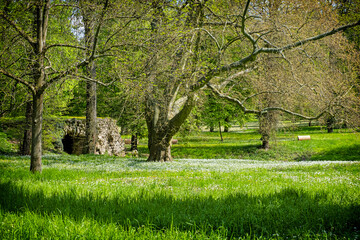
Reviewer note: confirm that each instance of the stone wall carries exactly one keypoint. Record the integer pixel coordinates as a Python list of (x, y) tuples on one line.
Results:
[(108, 137)]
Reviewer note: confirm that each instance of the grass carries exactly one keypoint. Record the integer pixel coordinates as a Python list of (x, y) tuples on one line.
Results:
[(103, 197), (209, 191), (343, 145)]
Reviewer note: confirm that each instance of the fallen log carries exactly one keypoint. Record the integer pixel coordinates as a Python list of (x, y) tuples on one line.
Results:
[(302, 138)]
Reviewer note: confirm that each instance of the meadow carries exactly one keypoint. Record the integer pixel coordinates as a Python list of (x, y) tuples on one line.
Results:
[(302, 195)]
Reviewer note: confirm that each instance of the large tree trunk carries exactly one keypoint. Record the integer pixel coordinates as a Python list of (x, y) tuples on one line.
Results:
[(330, 124), (160, 148), (36, 148), (265, 142), (161, 129), (26, 144)]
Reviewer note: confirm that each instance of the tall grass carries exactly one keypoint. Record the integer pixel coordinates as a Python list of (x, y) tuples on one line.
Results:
[(102, 197)]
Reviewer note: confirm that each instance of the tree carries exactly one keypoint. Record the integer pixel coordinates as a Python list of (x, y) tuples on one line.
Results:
[(189, 44), (214, 112), (33, 55), (91, 34)]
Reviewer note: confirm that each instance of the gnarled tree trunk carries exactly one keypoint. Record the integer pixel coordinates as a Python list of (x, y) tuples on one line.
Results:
[(161, 127), (159, 147)]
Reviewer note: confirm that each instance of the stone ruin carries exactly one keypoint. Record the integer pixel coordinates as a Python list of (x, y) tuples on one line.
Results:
[(108, 137)]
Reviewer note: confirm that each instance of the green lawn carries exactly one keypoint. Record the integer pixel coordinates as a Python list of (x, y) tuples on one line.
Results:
[(102, 197), (210, 191), (342, 145)]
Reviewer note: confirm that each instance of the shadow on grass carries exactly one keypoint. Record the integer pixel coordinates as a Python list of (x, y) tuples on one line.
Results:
[(351, 153), (285, 213)]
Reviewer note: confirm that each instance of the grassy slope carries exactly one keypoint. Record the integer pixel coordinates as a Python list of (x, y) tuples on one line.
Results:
[(99, 197)]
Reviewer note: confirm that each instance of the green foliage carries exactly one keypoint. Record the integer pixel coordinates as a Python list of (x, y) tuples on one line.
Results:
[(216, 110), (102, 197), (5, 145)]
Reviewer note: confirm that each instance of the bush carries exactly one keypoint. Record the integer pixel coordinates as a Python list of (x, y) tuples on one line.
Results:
[(5, 145)]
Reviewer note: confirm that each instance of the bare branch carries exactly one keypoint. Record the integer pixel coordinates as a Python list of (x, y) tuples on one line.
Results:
[(98, 29), (64, 45), (20, 80), (93, 80), (311, 39), (243, 30), (203, 29), (18, 29), (65, 5), (263, 111)]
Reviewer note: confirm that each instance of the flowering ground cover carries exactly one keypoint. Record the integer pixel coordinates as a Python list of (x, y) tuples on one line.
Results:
[(103, 197)]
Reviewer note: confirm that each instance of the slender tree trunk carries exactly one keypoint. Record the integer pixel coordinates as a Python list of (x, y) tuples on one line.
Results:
[(26, 145), (267, 127), (36, 148), (40, 26), (91, 132), (134, 141), (221, 137), (226, 126)]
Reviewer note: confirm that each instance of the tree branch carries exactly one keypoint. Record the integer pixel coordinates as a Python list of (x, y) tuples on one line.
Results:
[(64, 45), (252, 56), (18, 29), (263, 111), (93, 80), (20, 80), (311, 39), (98, 29)]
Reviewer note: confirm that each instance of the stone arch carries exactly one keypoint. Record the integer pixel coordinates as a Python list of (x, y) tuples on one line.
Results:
[(108, 137), (68, 143)]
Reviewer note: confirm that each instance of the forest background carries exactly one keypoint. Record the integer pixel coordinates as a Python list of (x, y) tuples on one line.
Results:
[(160, 67)]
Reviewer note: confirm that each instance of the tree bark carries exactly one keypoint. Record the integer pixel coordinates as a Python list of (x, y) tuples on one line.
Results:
[(159, 138), (26, 144), (330, 122), (221, 137), (134, 141), (265, 142), (160, 150), (36, 152), (90, 71), (161, 129), (267, 127), (226, 126), (91, 133)]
